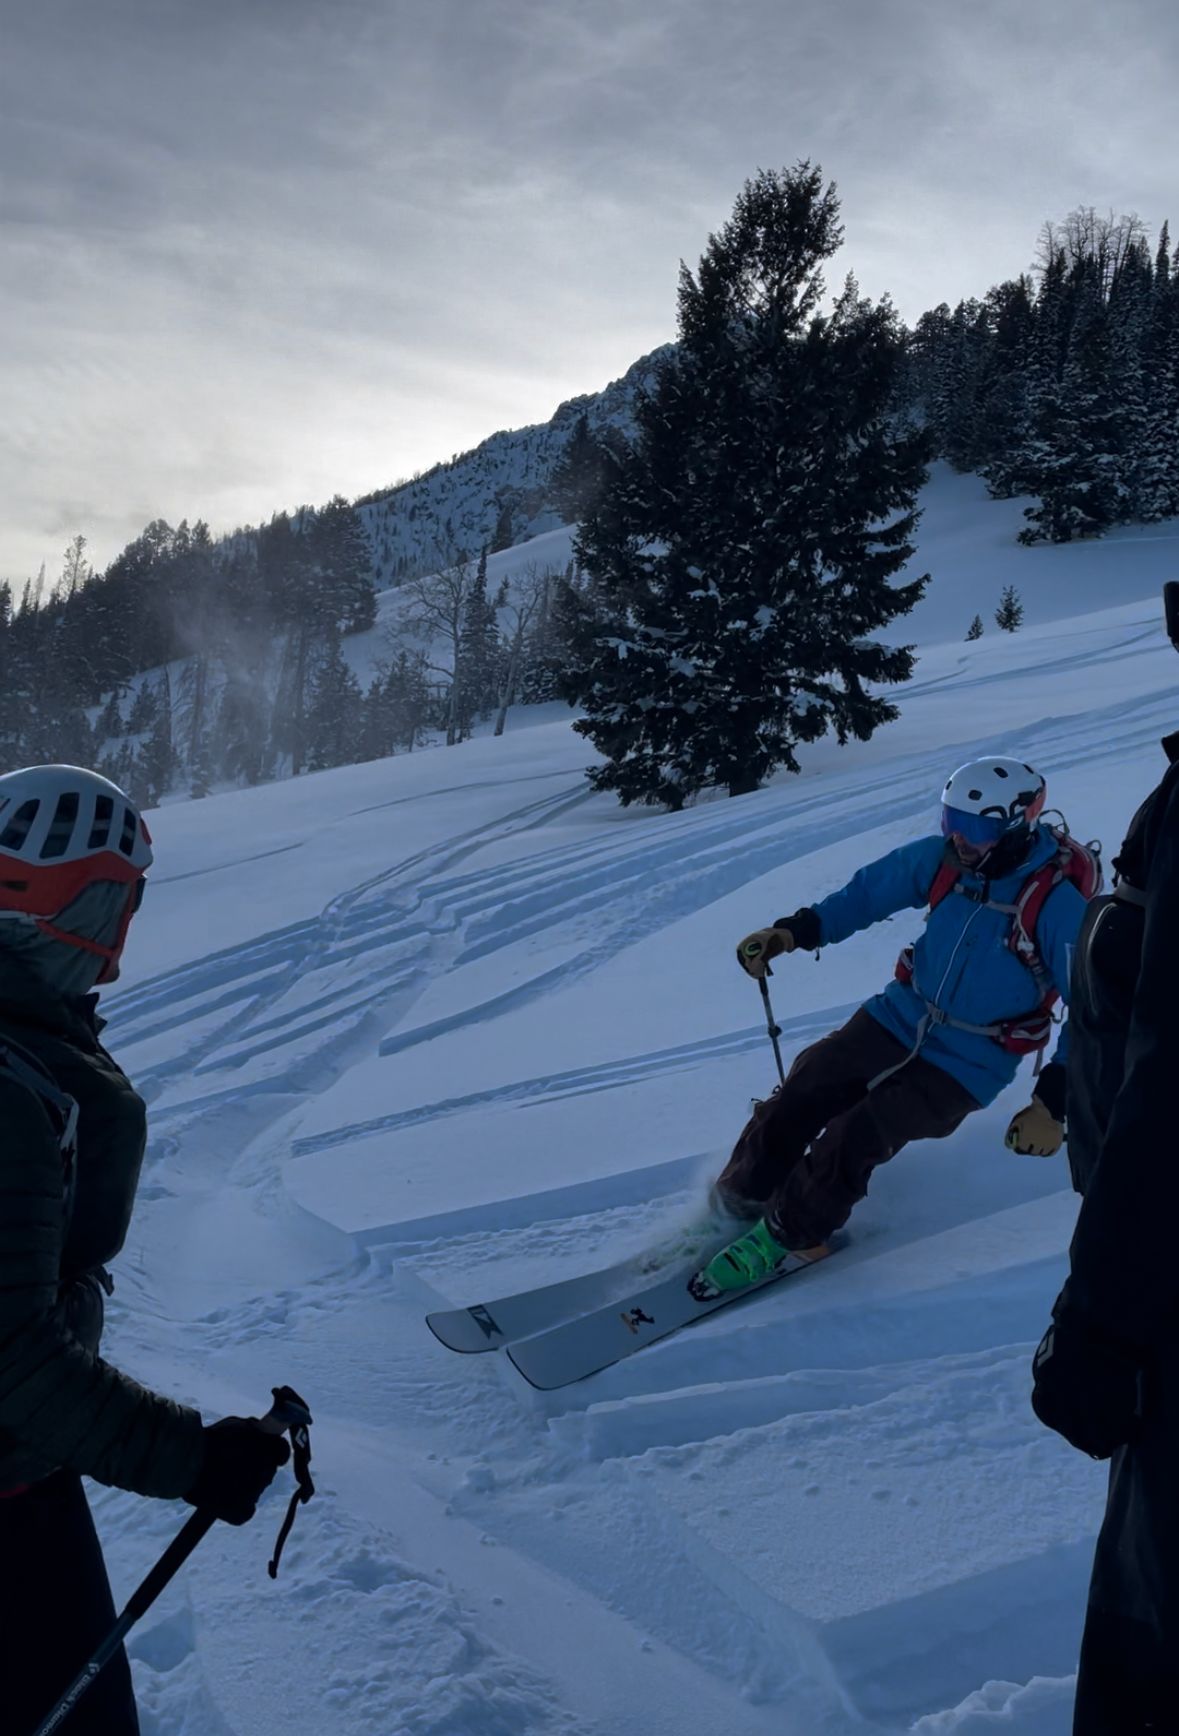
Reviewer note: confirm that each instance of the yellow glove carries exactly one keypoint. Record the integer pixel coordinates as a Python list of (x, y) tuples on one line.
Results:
[(1034, 1132), (757, 949)]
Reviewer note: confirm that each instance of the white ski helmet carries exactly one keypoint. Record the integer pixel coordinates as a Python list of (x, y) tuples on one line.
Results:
[(63, 830), (987, 800)]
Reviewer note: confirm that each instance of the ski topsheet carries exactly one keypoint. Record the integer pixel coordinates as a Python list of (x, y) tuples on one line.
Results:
[(490, 1325), (595, 1340)]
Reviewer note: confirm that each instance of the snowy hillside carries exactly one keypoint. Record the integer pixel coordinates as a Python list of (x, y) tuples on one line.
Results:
[(458, 504), (436, 1027)]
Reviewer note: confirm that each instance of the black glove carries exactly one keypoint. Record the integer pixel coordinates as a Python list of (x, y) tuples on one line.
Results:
[(1085, 1386), (240, 1460)]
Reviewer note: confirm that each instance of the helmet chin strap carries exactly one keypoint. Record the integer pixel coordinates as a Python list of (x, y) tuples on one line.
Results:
[(109, 953)]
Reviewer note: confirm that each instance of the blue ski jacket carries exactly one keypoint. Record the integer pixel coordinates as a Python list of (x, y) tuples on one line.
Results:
[(962, 960)]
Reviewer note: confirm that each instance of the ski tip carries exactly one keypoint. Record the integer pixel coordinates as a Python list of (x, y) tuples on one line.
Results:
[(432, 1323), (536, 1385), (467, 1331)]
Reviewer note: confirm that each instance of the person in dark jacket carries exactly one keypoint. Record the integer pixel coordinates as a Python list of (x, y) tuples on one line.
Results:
[(73, 855), (1106, 1374), (970, 999)]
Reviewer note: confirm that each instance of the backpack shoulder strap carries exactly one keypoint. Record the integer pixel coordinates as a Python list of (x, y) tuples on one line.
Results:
[(1031, 899), (62, 1109), (944, 881)]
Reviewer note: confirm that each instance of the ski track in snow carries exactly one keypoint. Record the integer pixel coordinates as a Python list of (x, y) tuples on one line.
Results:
[(828, 1510)]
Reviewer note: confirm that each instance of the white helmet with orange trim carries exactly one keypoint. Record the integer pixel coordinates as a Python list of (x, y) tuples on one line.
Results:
[(64, 830), (990, 808)]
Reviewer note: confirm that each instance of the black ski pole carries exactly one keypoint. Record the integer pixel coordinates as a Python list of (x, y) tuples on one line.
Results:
[(288, 1414), (772, 1024)]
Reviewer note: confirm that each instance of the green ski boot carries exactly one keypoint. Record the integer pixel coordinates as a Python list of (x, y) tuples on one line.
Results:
[(749, 1260)]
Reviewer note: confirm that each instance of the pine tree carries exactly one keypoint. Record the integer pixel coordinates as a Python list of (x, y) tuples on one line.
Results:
[(480, 648), (975, 630), (409, 700), (1004, 409), (504, 534), (1009, 614), (741, 553), (543, 662), (342, 556), (241, 731), (1159, 466), (201, 770), (145, 709), (156, 761), (335, 711), (375, 741), (110, 723), (582, 469), (304, 612)]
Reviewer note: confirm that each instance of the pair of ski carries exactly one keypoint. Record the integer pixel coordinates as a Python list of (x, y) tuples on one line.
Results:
[(563, 1332)]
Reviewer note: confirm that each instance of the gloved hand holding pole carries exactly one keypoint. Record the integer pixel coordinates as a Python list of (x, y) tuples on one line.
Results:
[(757, 949), (288, 1415)]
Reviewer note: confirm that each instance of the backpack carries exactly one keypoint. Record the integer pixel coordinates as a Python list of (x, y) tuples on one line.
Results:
[(62, 1109), (1076, 862)]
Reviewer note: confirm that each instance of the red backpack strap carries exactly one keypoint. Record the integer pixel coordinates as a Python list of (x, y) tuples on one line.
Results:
[(1033, 895), (1080, 865), (944, 881)]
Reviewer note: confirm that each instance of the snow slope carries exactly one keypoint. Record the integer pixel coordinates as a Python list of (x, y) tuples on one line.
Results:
[(427, 1030)]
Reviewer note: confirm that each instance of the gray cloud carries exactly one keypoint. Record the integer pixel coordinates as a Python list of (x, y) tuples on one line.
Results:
[(254, 252)]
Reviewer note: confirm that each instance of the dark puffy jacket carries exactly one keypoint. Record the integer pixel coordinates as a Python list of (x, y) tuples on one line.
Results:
[(1124, 1014), (61, 1405)]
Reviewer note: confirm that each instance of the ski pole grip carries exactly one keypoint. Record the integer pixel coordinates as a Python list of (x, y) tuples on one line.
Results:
[(288, 1411), (291, 1415), (754, 949)]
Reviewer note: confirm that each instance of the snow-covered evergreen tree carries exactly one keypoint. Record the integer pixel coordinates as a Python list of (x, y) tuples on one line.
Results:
[(334, 711), (343, 561), (145, 709), (741, 552), (975, 630), (110, 723), (1009, 614)]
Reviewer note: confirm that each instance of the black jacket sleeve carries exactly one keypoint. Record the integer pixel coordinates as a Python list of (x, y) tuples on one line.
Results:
[(58, 1398), (806, 928), (1125, 1269), (1052, 1089)]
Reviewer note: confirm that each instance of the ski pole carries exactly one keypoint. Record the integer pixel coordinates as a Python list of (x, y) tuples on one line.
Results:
[(288, 1415), (772, 1024)]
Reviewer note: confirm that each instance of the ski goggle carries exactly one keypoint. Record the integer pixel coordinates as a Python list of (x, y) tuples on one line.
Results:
[(981, 830)]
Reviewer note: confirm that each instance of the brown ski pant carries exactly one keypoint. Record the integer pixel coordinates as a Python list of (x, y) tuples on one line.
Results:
[(806, 1153)]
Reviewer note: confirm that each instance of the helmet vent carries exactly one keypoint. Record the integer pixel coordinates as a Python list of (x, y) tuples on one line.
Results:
[(127, 841), (104, 813), (61, 827), (17, 830), (1001, 772)]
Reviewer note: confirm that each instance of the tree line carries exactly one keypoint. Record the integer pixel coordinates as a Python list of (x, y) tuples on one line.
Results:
[(1063, 383), (190, 664), (736, 547)]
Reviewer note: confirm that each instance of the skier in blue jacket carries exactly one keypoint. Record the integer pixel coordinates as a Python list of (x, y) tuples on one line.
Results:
[(1006, 899)]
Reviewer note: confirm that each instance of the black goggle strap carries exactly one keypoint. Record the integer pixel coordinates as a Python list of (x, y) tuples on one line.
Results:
[(293, 1412)]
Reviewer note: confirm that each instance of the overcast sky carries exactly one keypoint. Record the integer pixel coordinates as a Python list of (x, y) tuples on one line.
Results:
[(254, 252)]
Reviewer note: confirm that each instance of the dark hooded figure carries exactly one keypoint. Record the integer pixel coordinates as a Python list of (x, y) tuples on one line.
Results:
[(73, 854), (1107, 1370)]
